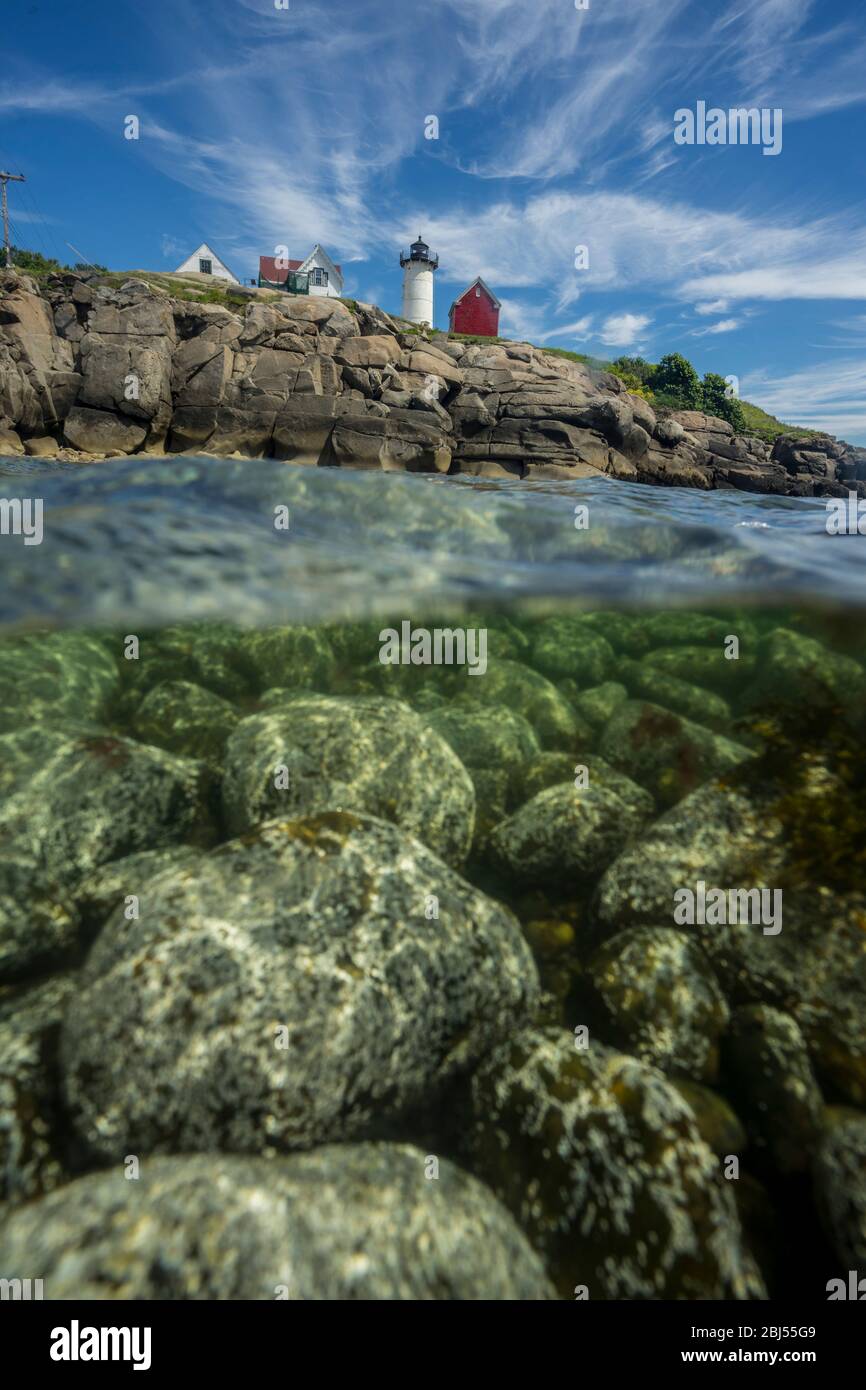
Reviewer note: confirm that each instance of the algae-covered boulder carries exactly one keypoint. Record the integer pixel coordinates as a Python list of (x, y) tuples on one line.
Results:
[(598, 1157), (547, 770), (208, 654), (290, 657), (798, 671), (791, 942), (771, 1080), (693, 702), (187, 719), (495, 738), (301, 984), (572, 830), (565, 646), (30, 1116), (367, 754), (597, 704), (707, 666), (840, 1186), (553, 717), (667, 754), (349, 1221), (661, 1000), (47, 678), (95, 799), (113, 885)]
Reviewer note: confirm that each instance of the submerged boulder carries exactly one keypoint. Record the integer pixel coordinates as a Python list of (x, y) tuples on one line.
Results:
[(319, 753), (304, 983), (350, 1221), (598, 1157)]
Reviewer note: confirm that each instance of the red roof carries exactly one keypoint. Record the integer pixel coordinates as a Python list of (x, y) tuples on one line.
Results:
[(269, 270)]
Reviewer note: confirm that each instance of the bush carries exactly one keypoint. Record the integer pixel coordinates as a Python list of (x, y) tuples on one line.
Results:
[(718, 402), (676, 378)]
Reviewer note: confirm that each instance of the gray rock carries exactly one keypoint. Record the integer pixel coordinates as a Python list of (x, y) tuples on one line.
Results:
[(661, 1000), (569, 831), (665, 753), (289, 657), (187, 719), (495, 738), (681, 697), (553, 717), (733, 838), (52, 677), (547, 770), (95, 799), (564, 646), (357, 1221), (597, 704), (840, 1186), (324, 928), (771, 1081), (364, 754), (707, 666), (30, 1119), (598, 1157)]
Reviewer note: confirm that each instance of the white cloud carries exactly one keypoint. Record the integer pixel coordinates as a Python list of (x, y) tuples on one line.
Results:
[(828, 396), (723, 326), (622, 330), (715, 306)]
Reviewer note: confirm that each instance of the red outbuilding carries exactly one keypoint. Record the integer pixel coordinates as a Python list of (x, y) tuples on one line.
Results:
[(476, 311)]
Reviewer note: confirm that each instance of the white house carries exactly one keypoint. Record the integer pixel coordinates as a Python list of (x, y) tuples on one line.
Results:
[(206, 262), (326, 277)]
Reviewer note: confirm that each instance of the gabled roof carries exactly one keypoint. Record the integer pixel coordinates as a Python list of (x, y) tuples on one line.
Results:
[(487, 290), (208, 251), (269, 270), (326, 257)]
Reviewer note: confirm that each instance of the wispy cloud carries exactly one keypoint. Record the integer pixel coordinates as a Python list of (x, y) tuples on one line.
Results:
[(828, 396), (623, 330)]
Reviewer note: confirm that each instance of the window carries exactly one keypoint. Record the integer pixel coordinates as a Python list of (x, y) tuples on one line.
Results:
[(205, 266), (319, 277)]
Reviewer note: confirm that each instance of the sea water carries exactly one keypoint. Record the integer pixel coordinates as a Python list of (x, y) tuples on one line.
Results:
[(656, 773)]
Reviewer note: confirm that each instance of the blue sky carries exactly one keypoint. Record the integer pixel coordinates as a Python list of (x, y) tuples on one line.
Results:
[(263, 126)]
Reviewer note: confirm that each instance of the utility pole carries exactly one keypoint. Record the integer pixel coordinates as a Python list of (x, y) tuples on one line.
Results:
[(4, 179)]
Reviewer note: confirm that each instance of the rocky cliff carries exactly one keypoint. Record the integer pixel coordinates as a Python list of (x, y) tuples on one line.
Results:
[(88, 371)]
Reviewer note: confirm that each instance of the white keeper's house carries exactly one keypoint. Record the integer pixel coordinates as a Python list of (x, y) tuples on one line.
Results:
[(317, 274), (205, 261)]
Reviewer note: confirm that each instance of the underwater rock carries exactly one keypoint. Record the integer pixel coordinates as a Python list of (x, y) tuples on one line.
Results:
[(95, 799), (737, 839), (665, 753), (207, 654), (687, 629), (707, 666), (329, 973), (364, 753), (661, 1000), (691, 701), (599, 1159), (798, 671), (770, 1079), (569, 830), (359, 1221), (52, 677), (30, 1163), (186, 719), (718, 1125), (597, 704), (495, 738), (552, 716), (290, 657), (840, 1186), (565, 646), (546, 770), (108, 887)]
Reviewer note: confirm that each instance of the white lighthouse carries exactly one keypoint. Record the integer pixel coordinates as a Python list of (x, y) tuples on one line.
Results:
[(418, 269)]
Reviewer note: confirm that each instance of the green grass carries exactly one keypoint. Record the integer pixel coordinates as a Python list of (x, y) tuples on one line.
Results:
[(767, 427)]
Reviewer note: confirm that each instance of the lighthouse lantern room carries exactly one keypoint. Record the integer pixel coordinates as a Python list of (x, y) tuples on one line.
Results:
[(418, 269)]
